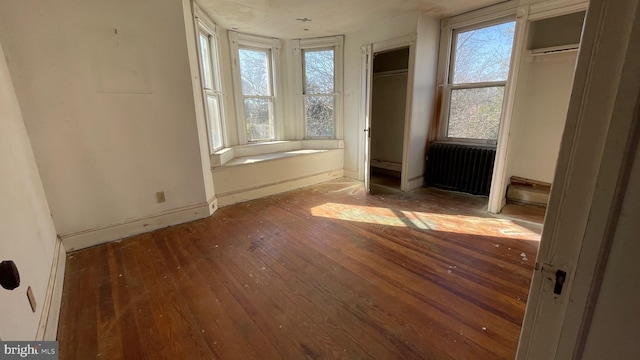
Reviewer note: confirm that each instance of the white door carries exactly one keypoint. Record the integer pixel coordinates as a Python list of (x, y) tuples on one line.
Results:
[(592, 173), (367, 77)]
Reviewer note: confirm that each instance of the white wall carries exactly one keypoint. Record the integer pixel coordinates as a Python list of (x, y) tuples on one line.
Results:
[(252, 178), (110, 115), (540, 111), (27, 234), (353, 121), (423, 102)]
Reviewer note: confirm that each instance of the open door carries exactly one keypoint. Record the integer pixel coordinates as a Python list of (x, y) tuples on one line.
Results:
[(589, 310), (366, 76)]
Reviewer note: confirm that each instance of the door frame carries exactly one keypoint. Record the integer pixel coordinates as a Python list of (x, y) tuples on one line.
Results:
[(366, 89)]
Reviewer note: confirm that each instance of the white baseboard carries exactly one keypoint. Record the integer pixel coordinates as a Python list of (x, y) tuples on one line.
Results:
[(415, 183), (387, 165), (48, 327), (277, 188), (213, 205), (87, 238), (351, 174)]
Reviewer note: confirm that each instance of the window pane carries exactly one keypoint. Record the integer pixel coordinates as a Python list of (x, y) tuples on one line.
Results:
[(475, 113), (258, 113), (205, 57), (254, 72), (483, 54), (318, 72), (319, 116), (215, 126)]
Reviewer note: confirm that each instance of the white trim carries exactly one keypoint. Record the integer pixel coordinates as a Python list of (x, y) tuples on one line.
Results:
[(497, 192), (122, 229), (48, 327), (406, 41), (395, 43), (406, 183), (204, 19), (414, 183), (295, 90), (191, 36), (321, 42), (331, 42), (227, 154), (485, 15), (206, 26), (539, 9), (351, 174), (212, 205), (366, 71), (236, 41), (261, 42), (447, 87)]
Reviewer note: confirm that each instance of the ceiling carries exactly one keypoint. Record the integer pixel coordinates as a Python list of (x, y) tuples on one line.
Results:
[(288, 19)]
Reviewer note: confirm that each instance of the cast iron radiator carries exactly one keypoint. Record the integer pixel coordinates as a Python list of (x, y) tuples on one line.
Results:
[(460, 167)]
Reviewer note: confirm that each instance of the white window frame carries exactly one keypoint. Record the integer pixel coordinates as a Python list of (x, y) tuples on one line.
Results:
[(239, 41), (206, 27), (335, 43), (447, 62)]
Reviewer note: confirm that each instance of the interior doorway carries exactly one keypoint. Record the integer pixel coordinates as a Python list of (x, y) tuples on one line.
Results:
[(388, 113)]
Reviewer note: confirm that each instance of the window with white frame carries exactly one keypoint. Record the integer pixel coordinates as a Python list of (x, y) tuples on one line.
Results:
[(257, 94), (254, 78), (321, 64), (476, 80), (211, 82), (319, 92)]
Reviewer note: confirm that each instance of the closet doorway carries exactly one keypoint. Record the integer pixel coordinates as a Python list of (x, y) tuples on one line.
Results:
[(388, 113)]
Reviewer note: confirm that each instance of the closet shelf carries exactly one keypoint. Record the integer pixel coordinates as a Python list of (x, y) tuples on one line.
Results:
[(554, 50)]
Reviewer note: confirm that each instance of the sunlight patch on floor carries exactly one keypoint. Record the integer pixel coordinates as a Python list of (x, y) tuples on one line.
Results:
[(461, 224)]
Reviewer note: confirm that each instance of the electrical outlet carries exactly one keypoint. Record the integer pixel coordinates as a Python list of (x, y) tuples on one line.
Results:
[(160, 197)]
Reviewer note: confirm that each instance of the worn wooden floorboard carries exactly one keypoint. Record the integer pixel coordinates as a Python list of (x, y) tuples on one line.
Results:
[(325, 272)]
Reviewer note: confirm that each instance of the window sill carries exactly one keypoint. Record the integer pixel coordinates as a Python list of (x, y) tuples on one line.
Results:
[(270, 150)]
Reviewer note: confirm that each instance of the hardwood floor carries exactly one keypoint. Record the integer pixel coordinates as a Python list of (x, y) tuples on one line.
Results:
[(528, 212), (319, 273)]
